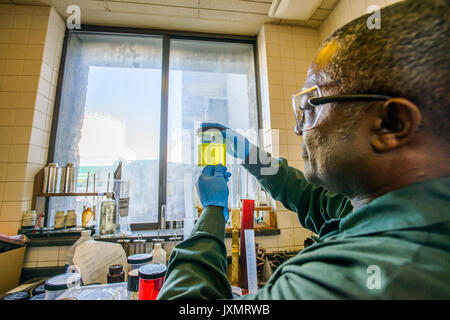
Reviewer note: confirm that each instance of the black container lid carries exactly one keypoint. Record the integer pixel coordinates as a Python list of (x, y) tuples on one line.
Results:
[(62, 281), (38, 290), (115, 269), (133, 280), (152, 271), (40, 296), (140, 258), (21, 295)]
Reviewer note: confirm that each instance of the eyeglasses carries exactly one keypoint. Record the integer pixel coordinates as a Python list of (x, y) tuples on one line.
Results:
[(308, 105)]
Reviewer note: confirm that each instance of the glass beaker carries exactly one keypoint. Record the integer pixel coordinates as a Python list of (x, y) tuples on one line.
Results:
[(211, 146)]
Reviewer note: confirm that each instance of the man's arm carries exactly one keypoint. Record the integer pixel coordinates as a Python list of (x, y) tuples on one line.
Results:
[(314, 205), (197, 266)]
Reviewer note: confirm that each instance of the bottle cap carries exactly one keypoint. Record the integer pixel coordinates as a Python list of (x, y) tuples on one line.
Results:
[(63, 282), (115, 269), (152, 271), (140, 258)]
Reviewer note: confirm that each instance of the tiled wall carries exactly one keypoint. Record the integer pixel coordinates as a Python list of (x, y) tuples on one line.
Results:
[(284, 56), (346, 11), (30, 48)]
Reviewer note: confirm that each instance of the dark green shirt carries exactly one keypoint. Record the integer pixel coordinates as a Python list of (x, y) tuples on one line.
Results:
[(396, 247)]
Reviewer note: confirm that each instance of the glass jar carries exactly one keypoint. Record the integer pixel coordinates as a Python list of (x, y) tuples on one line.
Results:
[(55, 286), (151, 279), (211, 146), (136, 261), (116, 274)]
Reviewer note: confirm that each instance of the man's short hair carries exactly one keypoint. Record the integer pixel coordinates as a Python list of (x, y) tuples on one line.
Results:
[(408, 57)]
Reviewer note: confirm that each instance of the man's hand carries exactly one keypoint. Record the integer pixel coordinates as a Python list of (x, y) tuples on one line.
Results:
[(213, 189), (237, 145)]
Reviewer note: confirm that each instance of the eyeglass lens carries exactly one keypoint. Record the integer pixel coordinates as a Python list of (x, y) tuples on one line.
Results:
[(305, 113)]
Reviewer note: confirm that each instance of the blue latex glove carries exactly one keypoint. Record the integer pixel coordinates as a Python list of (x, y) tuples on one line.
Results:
[(237, 145), (213, 189)]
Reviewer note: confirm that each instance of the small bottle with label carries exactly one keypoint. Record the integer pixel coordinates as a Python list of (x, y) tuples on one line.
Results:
[(159, 254), (116, 274), (86, 218)]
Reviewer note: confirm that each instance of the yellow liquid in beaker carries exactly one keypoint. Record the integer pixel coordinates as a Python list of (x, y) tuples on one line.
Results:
[(211, 154)]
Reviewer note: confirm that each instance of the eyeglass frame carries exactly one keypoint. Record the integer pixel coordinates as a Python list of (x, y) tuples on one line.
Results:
[(321, 100)]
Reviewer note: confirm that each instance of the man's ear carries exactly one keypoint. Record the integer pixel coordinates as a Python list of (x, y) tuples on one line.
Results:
[(399, 121)]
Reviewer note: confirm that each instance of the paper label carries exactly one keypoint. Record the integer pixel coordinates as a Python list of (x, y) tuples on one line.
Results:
[(124, 204)]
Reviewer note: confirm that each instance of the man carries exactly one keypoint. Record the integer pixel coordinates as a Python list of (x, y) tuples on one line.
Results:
[(376, 186)]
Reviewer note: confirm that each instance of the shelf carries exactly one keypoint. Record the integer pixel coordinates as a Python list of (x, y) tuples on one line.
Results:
[(72, 194)]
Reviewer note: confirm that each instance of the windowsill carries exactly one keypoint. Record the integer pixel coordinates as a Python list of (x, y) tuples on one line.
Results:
[(50, 240)]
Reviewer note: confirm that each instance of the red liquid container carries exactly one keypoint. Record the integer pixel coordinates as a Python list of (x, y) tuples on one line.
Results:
[(151, 279), (248, 209)]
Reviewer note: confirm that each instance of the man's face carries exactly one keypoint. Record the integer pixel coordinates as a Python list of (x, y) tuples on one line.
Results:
[(336, 151)]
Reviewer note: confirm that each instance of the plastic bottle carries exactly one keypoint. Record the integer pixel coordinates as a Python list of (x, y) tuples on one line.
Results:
[(159, 254), (85, 236)]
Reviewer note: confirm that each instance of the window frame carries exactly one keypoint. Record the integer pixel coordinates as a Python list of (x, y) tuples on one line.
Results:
[(167, 36)]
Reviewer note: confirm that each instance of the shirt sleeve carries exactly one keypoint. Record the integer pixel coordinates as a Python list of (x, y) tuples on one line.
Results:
[(197, 266), (317, 208)]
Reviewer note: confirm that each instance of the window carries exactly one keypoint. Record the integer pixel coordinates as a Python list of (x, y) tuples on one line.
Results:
[(137, 98)]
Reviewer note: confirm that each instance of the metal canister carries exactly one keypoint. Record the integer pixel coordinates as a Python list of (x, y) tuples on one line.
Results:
[(68, 178), (51, 178), (139, 245), (125, 243)]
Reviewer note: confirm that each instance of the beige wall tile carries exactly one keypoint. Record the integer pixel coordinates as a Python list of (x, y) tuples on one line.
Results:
[(48, 254), (11, 211), (11, 83), (31, 254), (43, 264), (34, 51), (24, 117), (4, 150), (32, 68), (9, 227), (9, 100), (7, 117), (21, 135), (13, 67), (18, 153), (26, 100), (6, 135), (300, 235)]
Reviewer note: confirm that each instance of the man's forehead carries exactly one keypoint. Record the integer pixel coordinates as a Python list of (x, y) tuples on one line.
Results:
[(320, 78), (319, 74)]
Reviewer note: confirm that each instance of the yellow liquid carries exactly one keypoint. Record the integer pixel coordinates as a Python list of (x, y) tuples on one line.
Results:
[(211, 154)]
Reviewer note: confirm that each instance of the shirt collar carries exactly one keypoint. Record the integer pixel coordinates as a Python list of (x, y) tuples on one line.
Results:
[(417, 205)]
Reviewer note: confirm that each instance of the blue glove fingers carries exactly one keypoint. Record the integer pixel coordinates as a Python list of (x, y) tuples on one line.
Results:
[(208, 171), (220, 171)]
